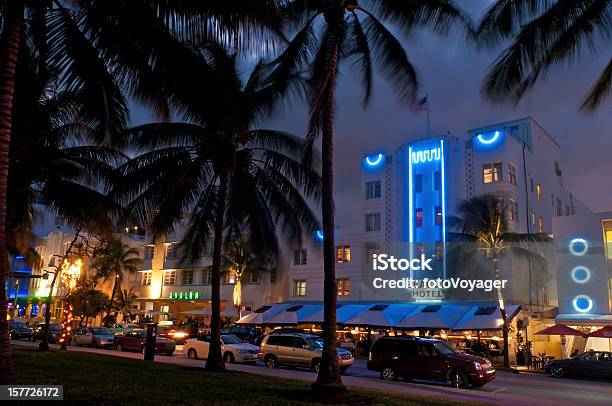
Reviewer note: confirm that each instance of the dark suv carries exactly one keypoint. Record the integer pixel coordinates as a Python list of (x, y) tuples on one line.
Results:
[(428, 359)]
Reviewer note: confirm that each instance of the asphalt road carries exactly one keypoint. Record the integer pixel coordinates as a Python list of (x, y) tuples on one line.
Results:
[(507, 389)]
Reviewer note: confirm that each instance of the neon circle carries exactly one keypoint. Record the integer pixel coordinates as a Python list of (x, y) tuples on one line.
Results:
[(574, 247), (319, 235), (582, 303), (488, 138), (374, 160), (581, 274)]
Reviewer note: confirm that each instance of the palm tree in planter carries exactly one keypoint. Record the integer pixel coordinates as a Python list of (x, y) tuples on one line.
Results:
[(482, 223), (241, 261), (112, 261), (224, 172), (332, 33), (544, 34)]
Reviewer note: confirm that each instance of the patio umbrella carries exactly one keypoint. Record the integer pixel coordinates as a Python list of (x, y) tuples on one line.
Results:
[(605, 332), (561, 330)]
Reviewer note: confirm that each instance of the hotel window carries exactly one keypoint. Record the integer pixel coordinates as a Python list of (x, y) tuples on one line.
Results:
[(539, 192), (188, 277), (439, 251), (552, 199), (372, 222), (418, 183), (300, 257), (370, 251), (173, 251), (299, 287), (531, 181), (420, 248), (437, 180), (533, 218), (512, 174), (251, 278), (438, 211), (229, 278), (567, 210), (418, 215), (372, 190), (513, 210), (146, 278), (492, 172), (149, 253), (206, 276), (169, 277), (559, 207), (541, 224), (608, 236), (344, 286), (343, 253)]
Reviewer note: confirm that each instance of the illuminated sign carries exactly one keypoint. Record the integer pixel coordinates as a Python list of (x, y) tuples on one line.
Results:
[(581, 274), (428, 155), (191, 295), (319, 235), (582, 303), (578, 247), (490, 138), (374, 160)]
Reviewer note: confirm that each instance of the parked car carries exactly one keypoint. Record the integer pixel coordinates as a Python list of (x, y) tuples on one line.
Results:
[(298, 349), (55, 333), (19, 329), (591, 364), (248, 334), (232, 347), (428, 359), (134, 340), (97, 337), (121, 327), (171, 333)]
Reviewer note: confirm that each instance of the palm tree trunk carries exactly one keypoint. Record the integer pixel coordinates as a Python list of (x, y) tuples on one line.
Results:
[(329, 379), (110, 305), (502, 309), (44, 342), (214, 362), (9, 48)]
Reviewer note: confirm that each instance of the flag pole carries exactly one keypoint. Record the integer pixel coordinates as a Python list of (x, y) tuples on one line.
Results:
[(428, 108)]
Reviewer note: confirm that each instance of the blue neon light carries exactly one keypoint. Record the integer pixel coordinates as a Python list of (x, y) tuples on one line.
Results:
[(490, 138), (427, 155), (319, 235), (410, 195), (578, 247), (581, 274), (582, 303), (374, 160)]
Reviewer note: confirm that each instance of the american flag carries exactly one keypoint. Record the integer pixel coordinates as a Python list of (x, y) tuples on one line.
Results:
[(421, 104)]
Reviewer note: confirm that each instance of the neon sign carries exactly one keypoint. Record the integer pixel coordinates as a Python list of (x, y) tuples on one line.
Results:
[(582, 303), (578, 247), (427, 155), (319, 235), (191, 295), (489, 138), (581, 274), (374, 160)]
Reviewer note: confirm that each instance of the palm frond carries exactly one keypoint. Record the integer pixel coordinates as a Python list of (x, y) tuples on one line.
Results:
[(601, 89)]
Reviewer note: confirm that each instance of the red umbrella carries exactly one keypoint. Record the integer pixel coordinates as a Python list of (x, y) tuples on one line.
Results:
[(561, 330), (605, 332)]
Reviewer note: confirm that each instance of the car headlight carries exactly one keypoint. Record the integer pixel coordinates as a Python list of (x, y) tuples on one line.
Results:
[(477, 366)]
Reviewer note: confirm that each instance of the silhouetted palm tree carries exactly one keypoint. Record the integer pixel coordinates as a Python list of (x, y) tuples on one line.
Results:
[(230, 177), (483, 222), (544, 34), (112, 261), (333, 32)]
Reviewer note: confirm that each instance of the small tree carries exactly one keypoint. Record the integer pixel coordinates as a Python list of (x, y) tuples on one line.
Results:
[(123, 302), (88, 302), (483, 221)]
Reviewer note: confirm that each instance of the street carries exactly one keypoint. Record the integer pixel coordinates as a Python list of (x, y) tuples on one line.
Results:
[(507, 389)]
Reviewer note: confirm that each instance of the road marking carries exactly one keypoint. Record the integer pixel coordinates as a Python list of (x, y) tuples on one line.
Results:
[(499, 390)]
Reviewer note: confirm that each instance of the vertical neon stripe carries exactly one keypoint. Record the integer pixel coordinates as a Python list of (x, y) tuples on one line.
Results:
[(443, 176)]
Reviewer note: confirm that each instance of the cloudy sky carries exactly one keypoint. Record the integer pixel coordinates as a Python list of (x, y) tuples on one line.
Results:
[(451, 72)]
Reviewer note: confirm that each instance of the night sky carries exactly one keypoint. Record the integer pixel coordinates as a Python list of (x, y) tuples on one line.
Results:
[(451, 73)]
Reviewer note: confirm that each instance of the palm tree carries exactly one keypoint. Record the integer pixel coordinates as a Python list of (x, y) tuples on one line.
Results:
[(123, 302), (100, 51), (483, 222), (544, 33), (242, 260), (334, 32), (112, 261), (230, 177)]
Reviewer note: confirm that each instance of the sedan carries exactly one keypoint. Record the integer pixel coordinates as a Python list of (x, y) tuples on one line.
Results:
[(97, 337), (591, 364), (232, 348), (18, 329), (135, 341)]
